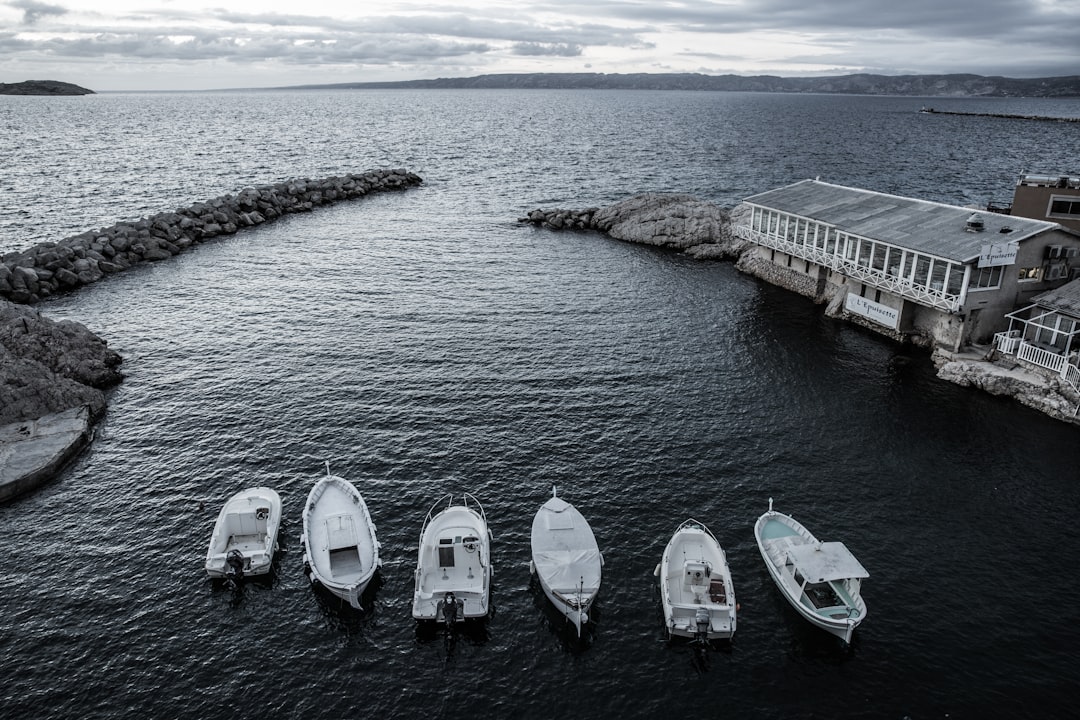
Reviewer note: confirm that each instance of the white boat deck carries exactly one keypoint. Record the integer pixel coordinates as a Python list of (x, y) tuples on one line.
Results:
[(821, 579), (341, 549), (696, 580), (248, 523), (453, 558)]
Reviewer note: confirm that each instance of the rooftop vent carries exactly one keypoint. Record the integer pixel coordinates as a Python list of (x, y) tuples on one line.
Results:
[(1005, 229), (974, 223)]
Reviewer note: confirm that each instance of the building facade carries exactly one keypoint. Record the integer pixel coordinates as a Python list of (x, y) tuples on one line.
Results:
[(1048, 197), (916, 270)]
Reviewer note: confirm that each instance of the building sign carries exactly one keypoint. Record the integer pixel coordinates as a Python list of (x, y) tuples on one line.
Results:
[(996, 254), (881, 314)]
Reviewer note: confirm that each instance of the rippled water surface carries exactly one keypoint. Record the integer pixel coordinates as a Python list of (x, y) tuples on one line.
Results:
[(425, 342)]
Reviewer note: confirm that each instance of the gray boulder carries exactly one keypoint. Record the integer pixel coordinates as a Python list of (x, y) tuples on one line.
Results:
[(48, 366)]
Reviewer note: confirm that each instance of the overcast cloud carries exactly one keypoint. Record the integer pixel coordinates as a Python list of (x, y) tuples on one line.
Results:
[(188, 44)]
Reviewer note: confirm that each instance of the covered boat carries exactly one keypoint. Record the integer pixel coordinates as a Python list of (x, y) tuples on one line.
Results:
[(821, 580), (245, 535), (453, 568), (566, 559), (341, 552), (695, 585)]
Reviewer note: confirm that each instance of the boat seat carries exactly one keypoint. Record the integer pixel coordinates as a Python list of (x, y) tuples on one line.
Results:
[(696, 575), (340, 532), (242, 523)]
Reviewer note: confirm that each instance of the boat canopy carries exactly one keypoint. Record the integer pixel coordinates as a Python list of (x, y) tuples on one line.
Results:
[(569, 570), (821, 562)]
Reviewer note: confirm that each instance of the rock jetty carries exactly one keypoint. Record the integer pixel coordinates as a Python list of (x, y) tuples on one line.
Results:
[(52, 267), (675, 221)]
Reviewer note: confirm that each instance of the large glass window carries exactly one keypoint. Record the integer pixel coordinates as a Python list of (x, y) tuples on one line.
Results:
[(956, 279), (922, 271), (985, 278), (937, 275), (892, 267), (880, 251), (1065, 206)]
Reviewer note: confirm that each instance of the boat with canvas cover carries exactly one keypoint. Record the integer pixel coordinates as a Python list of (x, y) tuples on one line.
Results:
[(695, 585), (566, 559), (453, 568), (245, 535), (821, 580), (341, 551)]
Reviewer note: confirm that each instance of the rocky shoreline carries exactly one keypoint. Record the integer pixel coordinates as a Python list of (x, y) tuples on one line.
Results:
[(703, 230), (54, 375)]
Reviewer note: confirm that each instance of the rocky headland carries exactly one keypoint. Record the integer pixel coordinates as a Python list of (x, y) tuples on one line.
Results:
[(704, 230), (54, 374), (43, 87)]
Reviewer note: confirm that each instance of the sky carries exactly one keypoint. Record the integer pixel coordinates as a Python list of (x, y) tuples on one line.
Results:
[(115, 45)]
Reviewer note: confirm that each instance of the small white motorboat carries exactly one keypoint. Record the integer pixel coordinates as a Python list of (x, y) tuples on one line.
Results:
[(245, 535), (566, 559), (695, 585), (341, 552), (822, 581), (453, 568)]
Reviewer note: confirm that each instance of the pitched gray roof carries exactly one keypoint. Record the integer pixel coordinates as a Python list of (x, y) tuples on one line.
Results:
[(930, 227), (1065, 299)]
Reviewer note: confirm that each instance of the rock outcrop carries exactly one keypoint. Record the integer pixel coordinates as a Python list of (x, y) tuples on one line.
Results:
[(43, 87), (1029, 387), (48, 366), (49, 268), (674, 221)]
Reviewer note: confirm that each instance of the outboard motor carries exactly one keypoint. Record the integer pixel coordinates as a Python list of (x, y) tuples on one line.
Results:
[(449, 609), (235, 562), (701, 619)]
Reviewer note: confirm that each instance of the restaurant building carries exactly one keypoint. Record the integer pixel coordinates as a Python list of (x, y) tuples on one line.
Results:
[(927, 272)]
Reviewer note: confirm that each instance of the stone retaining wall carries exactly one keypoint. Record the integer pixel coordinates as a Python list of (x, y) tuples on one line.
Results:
[(47, 268)]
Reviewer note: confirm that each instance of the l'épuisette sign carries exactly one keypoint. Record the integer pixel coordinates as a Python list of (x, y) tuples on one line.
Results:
[(995, 254), (881, 314)]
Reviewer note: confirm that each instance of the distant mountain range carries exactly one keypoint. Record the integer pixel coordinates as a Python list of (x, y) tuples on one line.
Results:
[(862, 84), (43, 87)]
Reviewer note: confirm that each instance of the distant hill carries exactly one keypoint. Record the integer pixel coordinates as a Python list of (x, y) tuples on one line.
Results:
[(862, 84), (43, 87)]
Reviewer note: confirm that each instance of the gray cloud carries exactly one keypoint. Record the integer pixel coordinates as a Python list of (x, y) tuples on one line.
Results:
[(556, 50), (34, 11)]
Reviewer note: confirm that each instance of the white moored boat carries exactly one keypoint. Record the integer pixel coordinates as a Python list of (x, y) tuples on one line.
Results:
[(341, 552), (566, 559), (822, 581), (453, 569), (245, 535), (695, 585)]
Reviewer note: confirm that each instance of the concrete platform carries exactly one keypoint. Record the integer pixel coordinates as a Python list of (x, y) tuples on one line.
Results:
[(33, 452)]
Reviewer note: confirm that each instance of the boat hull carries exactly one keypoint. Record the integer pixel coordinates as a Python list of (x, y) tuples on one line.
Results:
[(341, 550), (247, 524), (782, 540), (453, 573), (566, 559), (696, 589)]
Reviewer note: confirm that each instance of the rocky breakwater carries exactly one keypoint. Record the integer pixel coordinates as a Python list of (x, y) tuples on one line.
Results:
[(51, 267), (669, 220)]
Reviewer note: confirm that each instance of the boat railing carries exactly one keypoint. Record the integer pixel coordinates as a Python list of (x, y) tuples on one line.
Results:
[(692, 523)]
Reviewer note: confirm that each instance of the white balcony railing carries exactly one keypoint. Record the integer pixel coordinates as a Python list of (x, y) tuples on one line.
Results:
[(1007, 342), (903, 287)]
